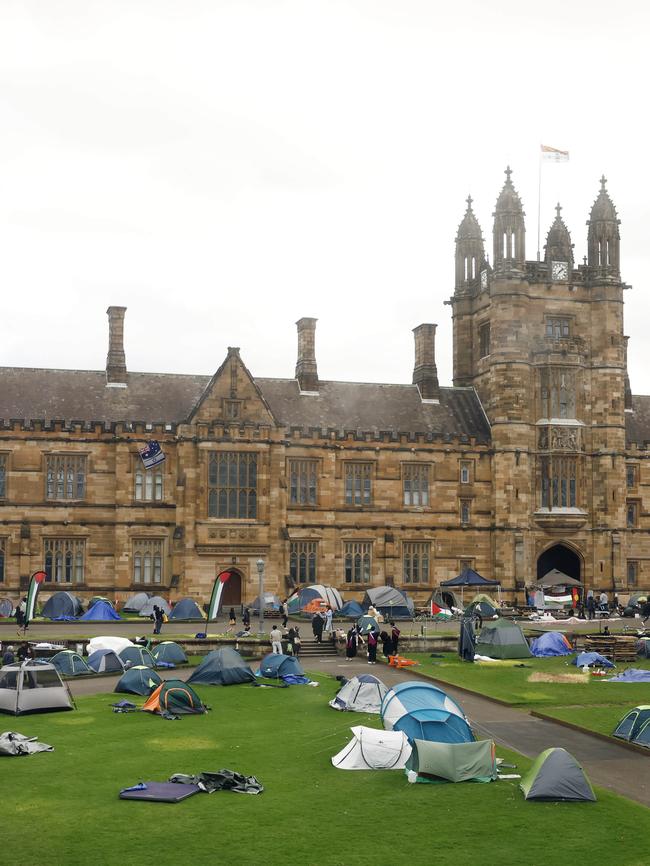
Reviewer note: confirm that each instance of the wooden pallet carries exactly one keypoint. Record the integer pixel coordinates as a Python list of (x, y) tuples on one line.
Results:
[(617, 648)]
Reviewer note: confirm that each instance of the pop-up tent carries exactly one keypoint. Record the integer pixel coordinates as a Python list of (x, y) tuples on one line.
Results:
[(170, 653), (101, 610), (556, 775), (174, 697), (361, 694), (159, 601), (632, 724), (138, 680), (186, 608), (136, 602), (105, 661), (415, 695), (351, 609), (315, 597), (32, 687), (452, 762), (137, 655), (502, 639), (371, 749), (70, 664), (222, 667), (389, 601), (437, 726), (61, 604), (551, 643), (275, 666)]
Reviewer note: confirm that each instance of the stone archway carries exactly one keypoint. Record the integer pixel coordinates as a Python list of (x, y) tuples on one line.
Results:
[(562, 557), (231, 589)]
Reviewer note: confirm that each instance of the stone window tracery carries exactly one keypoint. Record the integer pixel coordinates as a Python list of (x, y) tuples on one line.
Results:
[(303, 561), (232, 484), (147, 560), (64, 560)]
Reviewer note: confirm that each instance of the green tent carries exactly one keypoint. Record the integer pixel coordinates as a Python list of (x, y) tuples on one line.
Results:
[(174, 697), (631, 724), (556, 775), (502, 639), (451, 762)]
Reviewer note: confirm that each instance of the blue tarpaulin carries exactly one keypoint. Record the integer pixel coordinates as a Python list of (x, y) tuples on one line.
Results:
[(553, 643), (631, 675), (592, 659)]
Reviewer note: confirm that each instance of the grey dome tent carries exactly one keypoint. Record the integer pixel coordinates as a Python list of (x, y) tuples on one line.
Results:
[(632, 724), (6, 607), (105, 661), (61, 604), (32, 687), (556, 775), (361, 694), (70, 664), (222, 667), (170, 653), (136, 602), (138, 680), (351, 609), (502, 639), (275, 666), (147, 609), (186, 608), (137, 655), (391, 602)]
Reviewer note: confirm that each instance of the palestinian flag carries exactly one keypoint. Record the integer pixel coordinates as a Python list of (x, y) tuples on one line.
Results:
[(217, 592), (34, 585), (441, 613)]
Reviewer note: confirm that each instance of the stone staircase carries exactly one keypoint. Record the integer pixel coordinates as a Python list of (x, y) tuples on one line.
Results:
[(310, 649)]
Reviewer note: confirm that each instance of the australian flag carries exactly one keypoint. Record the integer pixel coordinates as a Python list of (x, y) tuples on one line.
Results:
[(152, 454)]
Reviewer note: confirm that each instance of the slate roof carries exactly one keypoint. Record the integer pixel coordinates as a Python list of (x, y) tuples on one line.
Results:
[(82, 395), (637, 422)]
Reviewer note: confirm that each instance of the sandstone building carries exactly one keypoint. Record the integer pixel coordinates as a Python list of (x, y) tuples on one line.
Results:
[(535, 458)]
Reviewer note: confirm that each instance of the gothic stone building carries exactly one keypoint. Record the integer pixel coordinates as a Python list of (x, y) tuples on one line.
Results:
[(535, 458)]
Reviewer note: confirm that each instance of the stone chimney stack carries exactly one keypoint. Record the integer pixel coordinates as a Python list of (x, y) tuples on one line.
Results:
[(306, 370), (425, 372), (116, 360)]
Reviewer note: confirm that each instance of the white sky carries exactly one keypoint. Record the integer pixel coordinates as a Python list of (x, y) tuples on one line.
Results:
[(225, 168)]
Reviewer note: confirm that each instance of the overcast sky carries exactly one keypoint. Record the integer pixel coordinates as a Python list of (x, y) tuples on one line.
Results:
[(225, 168)]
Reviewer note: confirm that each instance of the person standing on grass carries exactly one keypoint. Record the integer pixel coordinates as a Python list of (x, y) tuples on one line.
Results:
[(232, 620), (372, 646), (395, 633), (276, 640)]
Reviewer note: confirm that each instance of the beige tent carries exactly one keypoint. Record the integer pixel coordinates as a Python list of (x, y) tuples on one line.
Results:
[(32, 687)]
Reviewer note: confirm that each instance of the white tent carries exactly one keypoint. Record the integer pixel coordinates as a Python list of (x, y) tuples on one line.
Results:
[(371, 749), (362, 694), (32, 687), (117, 644)]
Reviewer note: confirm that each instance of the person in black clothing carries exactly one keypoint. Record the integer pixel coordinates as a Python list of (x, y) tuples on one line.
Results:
[(645, 611), (317, 624), (8, 658), (591, 607), (386, 644), (246, 619), (373, 637), (157, 618), (395, 633), (23, 652)]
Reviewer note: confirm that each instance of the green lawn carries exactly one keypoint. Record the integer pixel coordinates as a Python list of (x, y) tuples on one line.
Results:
[(63, 807)]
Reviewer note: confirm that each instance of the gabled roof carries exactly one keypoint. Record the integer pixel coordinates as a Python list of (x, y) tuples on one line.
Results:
[(637, 422)]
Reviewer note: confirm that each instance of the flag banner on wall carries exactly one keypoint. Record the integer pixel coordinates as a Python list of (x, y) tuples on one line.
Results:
[(552, 154), (217, 592), (34, 585), (152, 454)]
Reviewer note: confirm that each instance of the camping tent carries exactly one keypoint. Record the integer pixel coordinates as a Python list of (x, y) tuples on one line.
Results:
[(147, 608), (631, 723), (452, 762), (113, 643), (275, 666), (554, 577), (222, 667), (371, 749), (351, 609), (361, 694), (391, 602), (6, 607), (366, 624), (271, 603), (469, 577), (502, 639), (105, 661), (415, 695), (61, 604), (136, 602), (138, 680), (314, 597), (590, 659), (70, 664), (438, 726), (101, 610), (170, 653), (556, 775), (445, 598), (32, 687), (186, 608), (137, 655), (551, 643), (174, 697), (485, 609)]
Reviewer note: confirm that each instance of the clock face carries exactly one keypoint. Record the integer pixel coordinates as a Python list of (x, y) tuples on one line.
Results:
[(484, 279), (560, 270)]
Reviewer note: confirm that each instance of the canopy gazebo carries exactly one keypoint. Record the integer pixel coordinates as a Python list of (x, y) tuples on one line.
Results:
[(469, 577)]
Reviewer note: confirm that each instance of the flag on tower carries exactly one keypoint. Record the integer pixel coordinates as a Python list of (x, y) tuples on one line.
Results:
[(552, 154)]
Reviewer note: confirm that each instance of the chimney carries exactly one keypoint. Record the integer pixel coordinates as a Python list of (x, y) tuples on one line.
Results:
[(425, 373), (116, 360), (306, 370)]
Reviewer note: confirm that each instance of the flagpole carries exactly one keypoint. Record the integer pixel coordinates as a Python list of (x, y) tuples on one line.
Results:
[(539, 201)]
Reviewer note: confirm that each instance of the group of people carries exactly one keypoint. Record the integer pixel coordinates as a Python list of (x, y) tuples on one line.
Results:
[(322, 621), (291, 635), (10, 654), (389, 642)]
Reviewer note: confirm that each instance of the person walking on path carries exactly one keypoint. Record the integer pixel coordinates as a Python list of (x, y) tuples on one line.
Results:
[(591, 607), (276, 640), (329, 616), (284, 613), (232, 620), (317, 626), (246, 619), (158, 616), (372, 646), (395, 633)]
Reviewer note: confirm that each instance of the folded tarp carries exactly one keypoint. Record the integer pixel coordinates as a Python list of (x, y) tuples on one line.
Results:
[(13, 744), (631, 675), (159, 792), (592, 659)]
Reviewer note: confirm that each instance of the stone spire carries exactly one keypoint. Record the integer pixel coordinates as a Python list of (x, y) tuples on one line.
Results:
[(603, 236), (558, 242), (509, 228), (470, 252)]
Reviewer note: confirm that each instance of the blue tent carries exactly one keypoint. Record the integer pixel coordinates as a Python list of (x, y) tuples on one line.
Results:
[(222, 667), (275, 666), (631, 675), (351, 609), (170, 653), (101, 610), (138, 680), (137, 655), (592, 659), (413, 696), (186, 608), (437, 726), (553, 643)]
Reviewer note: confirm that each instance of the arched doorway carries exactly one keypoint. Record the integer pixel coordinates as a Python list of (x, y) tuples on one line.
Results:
[(561, 557), (231, 589)]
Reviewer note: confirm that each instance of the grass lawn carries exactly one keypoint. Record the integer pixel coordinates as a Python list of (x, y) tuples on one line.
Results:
[(63, 807)]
